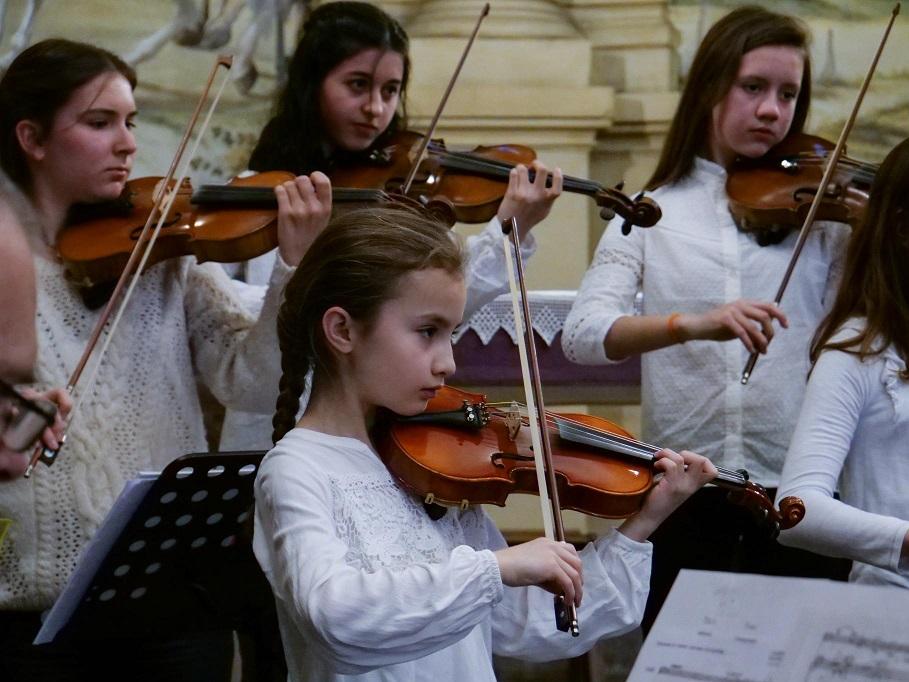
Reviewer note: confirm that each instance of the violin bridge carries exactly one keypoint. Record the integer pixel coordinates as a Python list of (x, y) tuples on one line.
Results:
[(513, 421)]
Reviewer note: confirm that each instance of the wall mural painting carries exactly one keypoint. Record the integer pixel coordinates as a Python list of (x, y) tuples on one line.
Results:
[(173, 43)]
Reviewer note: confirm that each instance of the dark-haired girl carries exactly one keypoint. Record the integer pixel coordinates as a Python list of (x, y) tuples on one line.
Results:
[(853, 428), (66, 118), (708, 288), (344, 99)]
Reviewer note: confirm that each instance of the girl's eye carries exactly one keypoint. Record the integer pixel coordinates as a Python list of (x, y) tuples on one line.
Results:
[(391, 91), (790, 95), (130, 124), (428, 332), (751, 87), (358, 84)]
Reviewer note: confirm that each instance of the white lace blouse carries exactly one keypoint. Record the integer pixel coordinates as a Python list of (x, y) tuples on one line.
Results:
[(183, 321), (368, 587), (851, 435), (693, 260)]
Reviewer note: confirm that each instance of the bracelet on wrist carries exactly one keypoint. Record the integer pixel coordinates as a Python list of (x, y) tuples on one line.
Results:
[(671, 326)]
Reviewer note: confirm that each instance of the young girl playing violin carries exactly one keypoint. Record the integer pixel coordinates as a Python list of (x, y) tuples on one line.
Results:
[(852, 431), (365, 582), (345, 100), (66, 118), (706, 290)]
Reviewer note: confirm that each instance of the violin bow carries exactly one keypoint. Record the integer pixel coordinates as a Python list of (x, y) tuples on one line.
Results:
[(832, 162), (435, 119), (163, 202), (565, 613)]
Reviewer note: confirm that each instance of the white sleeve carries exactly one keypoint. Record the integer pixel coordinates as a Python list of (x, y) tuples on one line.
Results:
[(234, 351), (616, 573), (606, 293), (360, 619), (836, 396), (485, 274)]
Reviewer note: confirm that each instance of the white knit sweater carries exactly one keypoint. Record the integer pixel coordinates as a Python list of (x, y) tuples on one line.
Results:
[(183, 321)]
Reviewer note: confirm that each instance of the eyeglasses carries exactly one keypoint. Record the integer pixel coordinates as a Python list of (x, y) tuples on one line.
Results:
[(22, 419)]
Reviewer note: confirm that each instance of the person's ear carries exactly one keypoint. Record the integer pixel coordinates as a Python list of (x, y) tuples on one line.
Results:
[(339, 329), (31, 139)]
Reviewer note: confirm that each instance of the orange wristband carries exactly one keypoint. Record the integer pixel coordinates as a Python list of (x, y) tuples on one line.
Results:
[(672, 329)]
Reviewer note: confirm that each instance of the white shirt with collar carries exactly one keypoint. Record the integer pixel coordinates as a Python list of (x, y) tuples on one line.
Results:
[(693, 260)]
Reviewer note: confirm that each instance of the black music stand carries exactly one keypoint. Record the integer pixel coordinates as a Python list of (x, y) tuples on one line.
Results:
[(180, 562)]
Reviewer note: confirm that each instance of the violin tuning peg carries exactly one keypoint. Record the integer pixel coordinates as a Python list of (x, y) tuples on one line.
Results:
[(621, 185)]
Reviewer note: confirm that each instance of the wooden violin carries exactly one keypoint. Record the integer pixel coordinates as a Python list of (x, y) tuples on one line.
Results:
[(222, 223), (462, 451), (474, 182), (772, 195)]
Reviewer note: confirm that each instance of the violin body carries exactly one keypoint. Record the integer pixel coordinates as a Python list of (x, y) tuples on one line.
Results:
[(775, 192), (221, 223), (461, 451), (473, 183), (454, 464), (95, 251)]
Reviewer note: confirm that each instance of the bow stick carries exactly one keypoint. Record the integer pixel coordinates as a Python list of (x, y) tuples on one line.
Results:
[(565, 613), (163, 202), (832, 162), (435, 119)]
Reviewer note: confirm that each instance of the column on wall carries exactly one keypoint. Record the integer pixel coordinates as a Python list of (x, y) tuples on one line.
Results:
[(526, 81), (633, 50)]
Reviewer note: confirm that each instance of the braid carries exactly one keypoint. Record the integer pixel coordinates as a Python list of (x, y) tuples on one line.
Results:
[(293, 382), (355, 264)]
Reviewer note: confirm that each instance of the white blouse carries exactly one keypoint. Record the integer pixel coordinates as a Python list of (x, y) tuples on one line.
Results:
[(485, 277), (367, 585), (183, 321), (695, 259), (851, 435)]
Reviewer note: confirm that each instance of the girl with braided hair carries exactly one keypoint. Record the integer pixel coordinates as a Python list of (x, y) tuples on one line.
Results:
[(365, 582)]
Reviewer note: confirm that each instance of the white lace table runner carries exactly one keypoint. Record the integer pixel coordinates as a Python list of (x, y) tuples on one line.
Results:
[(548, 310)]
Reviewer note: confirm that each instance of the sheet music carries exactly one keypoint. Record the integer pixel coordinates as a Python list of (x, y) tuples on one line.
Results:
[(727, 627), (122, 510)]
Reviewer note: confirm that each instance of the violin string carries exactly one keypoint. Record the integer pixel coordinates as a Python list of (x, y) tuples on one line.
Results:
[(470, 162), (630, 446), (240, 194)]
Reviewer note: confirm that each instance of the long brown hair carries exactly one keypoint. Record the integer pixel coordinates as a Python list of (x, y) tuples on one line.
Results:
[(356, 264), (37, 84), (875, 284), (712, 74)]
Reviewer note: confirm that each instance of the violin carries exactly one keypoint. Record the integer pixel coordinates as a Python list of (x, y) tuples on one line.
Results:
[(772, 195), (222, 223), (463, 451), (474, 182)]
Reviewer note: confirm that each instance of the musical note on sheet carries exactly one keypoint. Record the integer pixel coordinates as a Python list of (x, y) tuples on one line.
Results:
[(727, 627)]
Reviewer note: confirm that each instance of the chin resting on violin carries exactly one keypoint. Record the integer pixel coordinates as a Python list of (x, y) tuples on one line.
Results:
[(383, 343)]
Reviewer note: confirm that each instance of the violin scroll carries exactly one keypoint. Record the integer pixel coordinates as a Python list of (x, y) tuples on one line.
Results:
[(755, 498)]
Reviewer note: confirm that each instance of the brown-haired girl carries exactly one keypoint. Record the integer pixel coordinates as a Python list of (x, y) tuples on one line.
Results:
[(853, 428), (365, 582), (705, 283), (66, 117)]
